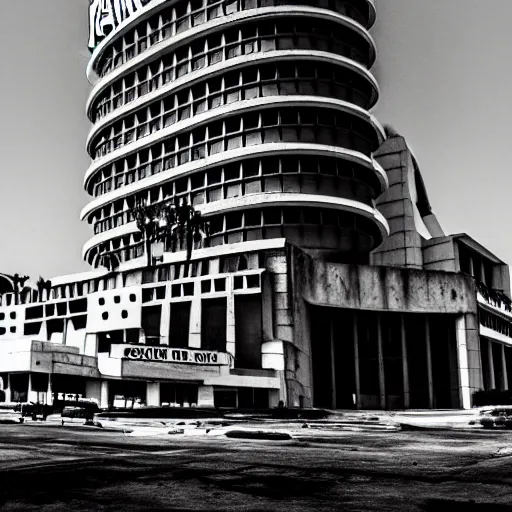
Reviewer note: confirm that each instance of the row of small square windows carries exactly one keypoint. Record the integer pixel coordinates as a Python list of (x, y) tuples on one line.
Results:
[(4, 331), (124, 315), (255, 220), (12, 315), (259, 81), (207, 286), (211, 181), (293, 125), (186, 15), (256, 37), (117, 299)]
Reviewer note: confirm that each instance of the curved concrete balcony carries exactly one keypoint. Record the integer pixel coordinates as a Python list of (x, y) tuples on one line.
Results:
[(258, 201), (157, 6), (264, 13), (237, 108), (239, 155), (238, 63)]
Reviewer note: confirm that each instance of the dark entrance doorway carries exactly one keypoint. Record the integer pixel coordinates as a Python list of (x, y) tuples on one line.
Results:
[(332, 354)]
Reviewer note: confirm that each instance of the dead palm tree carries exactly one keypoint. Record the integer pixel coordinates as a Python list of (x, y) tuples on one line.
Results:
[(19, 283), (43, 285), (179, 224)]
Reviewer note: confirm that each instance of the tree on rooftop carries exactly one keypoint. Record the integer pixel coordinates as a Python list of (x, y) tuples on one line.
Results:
[(18, 284), (178, 224), (43, 285)]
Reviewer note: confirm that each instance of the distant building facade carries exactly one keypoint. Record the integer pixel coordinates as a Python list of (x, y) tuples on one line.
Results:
[(325, 279)]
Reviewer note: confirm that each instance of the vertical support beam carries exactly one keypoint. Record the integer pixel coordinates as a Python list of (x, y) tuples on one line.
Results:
[(382, 379), (230, 320), (30, 398), (49, 391), (104, 394), (471, 266), (405, 366), (165, 321), (356, 360), (504, 367), (7, 389), (153, 394), (492, 377), (65, 331), (333, 363), (194, 335), (429, 365), (462, 357)]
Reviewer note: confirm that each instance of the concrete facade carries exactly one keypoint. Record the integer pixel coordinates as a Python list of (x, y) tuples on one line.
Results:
[(325, 278)]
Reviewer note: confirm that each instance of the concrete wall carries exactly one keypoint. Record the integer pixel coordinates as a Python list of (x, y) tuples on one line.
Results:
[(501, 278), (440, 254), (403, 246), (474, 357), (166, 371), (114, 302), (287, 333), (382, 288), (44, 357)]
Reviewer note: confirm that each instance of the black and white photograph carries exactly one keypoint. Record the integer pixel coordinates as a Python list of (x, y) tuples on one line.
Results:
[(255, 256)]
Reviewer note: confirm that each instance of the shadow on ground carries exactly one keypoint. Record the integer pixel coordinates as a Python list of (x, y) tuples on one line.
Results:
[(463, 506)]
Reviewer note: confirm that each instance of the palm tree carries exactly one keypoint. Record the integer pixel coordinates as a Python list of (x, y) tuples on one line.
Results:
[(19, 283), (179, 223), (42, 285)]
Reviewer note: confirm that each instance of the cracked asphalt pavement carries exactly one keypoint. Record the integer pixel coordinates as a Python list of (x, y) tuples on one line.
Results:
[(54, 468)]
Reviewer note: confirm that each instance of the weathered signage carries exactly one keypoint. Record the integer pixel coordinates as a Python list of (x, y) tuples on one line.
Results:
[(106, 15), (168, 355)]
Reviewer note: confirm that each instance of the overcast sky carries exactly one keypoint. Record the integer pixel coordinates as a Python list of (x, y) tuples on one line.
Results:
[(444, 74)]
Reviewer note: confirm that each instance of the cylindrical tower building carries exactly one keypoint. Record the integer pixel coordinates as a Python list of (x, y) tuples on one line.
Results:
[(255, 111)]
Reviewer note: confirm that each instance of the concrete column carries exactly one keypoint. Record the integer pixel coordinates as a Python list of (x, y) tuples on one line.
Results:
[(283, 388), (382, 380), (333, 363), (266, 306), (104, 394), (7, 389), (65, 331), (205, 396), (194, 335), (492, 377), (482, 273), (49, 392), (230, 321), (405, 366), (429, 365), (31, 395), (471, 266), (153, 394), (504, 369), (356, 360), (165, 320), (462, 356)]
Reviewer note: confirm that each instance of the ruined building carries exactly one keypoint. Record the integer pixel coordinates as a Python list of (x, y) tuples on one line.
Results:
[(324, 278)]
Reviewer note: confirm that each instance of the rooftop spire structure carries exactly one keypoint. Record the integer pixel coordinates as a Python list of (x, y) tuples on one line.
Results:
[(256, 112)]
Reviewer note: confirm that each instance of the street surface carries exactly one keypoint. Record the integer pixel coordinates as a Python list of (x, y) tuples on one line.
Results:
[(55, 468)]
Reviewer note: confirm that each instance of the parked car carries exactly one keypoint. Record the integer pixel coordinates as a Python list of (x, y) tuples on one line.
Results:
[(496, 417), (77, 415), (36, 411)]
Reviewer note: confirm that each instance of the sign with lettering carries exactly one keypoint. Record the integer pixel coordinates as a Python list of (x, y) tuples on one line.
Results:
[(168, 355), (106, 15)]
